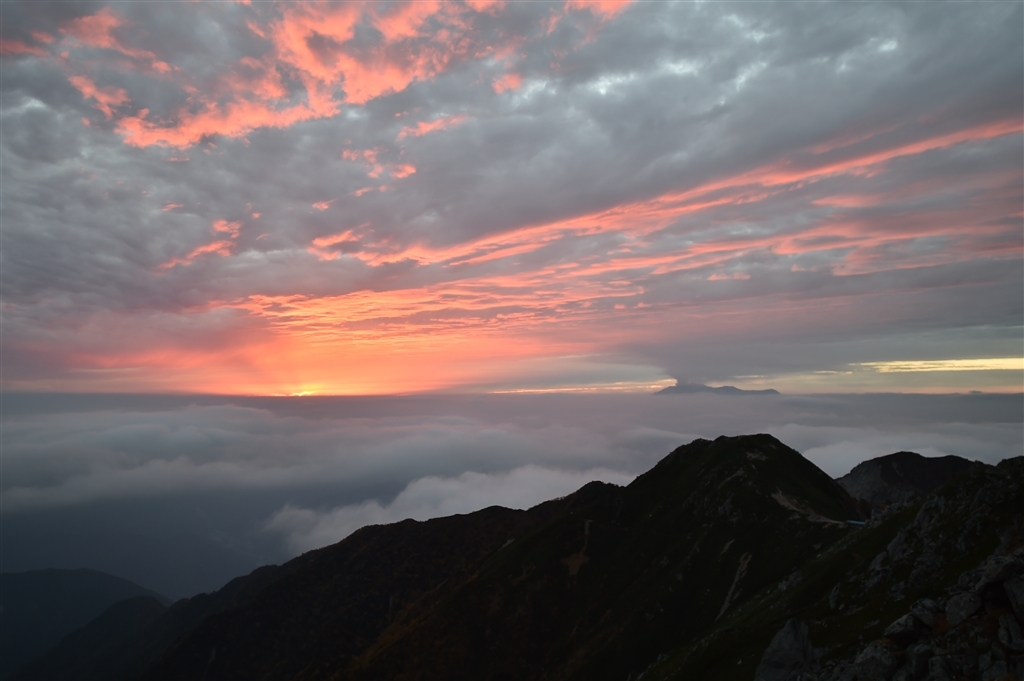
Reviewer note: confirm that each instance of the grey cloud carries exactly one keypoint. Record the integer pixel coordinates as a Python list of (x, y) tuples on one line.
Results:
[(73, 457)]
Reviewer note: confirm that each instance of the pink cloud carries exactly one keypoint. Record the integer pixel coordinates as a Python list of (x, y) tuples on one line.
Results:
[(404, 20), (107, 98), (424, 127), (229, 228), (604, 8), (15, 46), (329, 247), (485, 5), (509, 81), (97, 31), (310, 49), (222, 248)]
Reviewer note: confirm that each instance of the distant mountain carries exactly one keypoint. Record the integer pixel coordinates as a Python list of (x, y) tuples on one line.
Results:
[(38, 608), (124, 641), (87, 653), (902, 477), (688, 388), (731, 559)]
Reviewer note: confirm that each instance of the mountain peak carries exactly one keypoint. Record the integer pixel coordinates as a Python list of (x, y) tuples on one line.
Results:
[(901, 477), (690, 388)]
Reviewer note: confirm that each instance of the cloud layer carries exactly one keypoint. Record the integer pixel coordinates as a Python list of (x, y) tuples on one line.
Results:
[(183, 493), (404, 196)]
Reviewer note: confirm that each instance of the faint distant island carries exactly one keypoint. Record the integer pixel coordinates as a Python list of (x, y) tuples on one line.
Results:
[(681, 388)]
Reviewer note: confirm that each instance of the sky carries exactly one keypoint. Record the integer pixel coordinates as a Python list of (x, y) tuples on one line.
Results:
[(271, 271), (403, 197)]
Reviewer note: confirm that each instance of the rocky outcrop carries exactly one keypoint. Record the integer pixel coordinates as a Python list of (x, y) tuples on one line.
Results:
[(790, 656), (969, 626)]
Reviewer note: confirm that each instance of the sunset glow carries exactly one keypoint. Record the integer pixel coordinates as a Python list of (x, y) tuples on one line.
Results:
[(311, 198)]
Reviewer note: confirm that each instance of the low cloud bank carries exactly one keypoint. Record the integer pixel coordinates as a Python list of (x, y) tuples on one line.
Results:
[(264, 479)]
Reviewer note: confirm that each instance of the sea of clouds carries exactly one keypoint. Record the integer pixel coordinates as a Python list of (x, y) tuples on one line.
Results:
[(183, 493)]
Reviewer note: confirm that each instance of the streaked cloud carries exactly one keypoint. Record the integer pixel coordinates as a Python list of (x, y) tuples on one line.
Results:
[(992, 364)]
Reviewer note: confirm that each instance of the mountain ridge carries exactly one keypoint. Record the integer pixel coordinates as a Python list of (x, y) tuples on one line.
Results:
[(728, 545)]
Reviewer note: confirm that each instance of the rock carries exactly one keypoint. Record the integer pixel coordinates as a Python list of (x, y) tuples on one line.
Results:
[(938, 670), (899, 546), (1009, 634), (904, 630), (874, 663), (833, 597), (1015, 592), (926, 610), (968, 580), (789, 654), (996, 672), (927, 564), (960, 607), (998, 570), (917, 659)]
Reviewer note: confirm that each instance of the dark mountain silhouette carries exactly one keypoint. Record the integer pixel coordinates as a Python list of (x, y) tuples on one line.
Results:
[(97, 650), (901, 477), (136, 648), (689, 388), (38, 608), (731, 559)]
